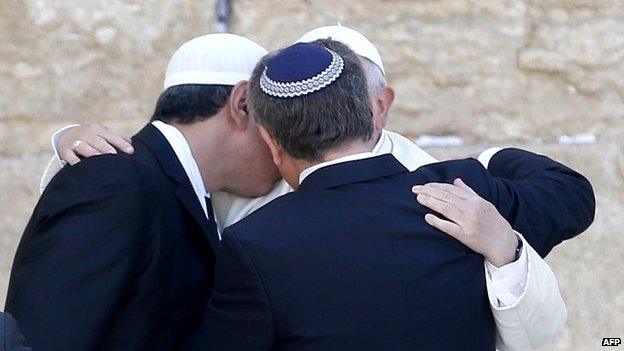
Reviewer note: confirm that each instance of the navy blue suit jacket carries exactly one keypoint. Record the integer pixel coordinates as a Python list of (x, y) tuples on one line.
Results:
[(117, 255), (10, 337), (548, 202), (347, 262)]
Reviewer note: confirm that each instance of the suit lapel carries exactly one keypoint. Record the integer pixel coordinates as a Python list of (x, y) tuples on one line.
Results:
[(167, 158), (353, 172), (187, 197)]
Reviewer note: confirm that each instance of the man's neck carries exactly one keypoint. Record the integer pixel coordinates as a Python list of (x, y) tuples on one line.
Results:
[(345, 150), (375, 139), (197, 141), (353, 148)]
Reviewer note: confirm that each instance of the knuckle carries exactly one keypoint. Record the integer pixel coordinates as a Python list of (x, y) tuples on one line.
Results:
[(101, 143), (478, 205), (472, 215)]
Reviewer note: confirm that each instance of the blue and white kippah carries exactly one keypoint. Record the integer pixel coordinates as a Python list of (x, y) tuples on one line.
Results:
[(301, 69)]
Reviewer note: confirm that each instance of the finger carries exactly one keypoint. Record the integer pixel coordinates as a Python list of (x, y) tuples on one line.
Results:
[(69, 156), (437, 193), (446, 209), (127, 139), (460, 183), (445, 226), (461, 192), (117, 141), (86, 150), (101, 145)]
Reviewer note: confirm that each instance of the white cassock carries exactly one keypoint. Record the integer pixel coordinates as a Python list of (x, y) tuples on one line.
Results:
[(524, 295)]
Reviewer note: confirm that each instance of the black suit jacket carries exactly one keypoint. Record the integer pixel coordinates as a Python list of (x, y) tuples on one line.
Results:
[(348, 263), (551, 203), (117, 255), (10, 337)]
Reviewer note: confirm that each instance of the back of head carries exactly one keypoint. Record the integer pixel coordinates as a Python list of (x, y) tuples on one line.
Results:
[(322, 117), (201, 74)]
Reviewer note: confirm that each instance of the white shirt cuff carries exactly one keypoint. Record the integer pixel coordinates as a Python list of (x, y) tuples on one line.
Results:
[(508, 282), (487, 155), (55, 140)]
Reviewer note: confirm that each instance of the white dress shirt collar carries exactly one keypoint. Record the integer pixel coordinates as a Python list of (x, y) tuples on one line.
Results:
[(183, 151), (306, 172)]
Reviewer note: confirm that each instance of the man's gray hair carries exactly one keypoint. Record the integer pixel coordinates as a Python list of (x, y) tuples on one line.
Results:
[(374, 75)]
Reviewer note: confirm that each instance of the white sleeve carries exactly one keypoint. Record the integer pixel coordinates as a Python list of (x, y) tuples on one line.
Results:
[(537, 316), (508, 283), (487, 155), (55, 164)]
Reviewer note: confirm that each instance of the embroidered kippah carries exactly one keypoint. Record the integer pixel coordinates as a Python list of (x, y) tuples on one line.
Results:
[(301, 69)]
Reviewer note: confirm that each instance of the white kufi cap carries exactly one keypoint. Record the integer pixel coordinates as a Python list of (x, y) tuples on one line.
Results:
[(352, 38), (223, 59)]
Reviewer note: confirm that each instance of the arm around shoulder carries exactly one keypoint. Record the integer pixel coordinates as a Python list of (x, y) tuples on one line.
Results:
[(545, 200)]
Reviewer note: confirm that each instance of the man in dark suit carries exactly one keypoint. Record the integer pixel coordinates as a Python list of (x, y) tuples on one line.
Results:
[(347, 261), (118, 254)]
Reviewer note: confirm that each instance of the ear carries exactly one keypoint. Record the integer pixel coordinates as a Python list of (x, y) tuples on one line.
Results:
[(238, 105), (276, 151), (381, 107)]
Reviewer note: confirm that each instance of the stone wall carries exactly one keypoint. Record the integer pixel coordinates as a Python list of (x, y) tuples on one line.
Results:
[(490, 71), (486, 69)]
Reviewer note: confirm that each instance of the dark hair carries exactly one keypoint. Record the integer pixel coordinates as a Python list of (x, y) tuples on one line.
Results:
[(190, 103), (310, 125)]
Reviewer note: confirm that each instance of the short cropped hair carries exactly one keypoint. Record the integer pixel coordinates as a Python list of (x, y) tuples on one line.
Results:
[(306, 127), (189, 103)]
